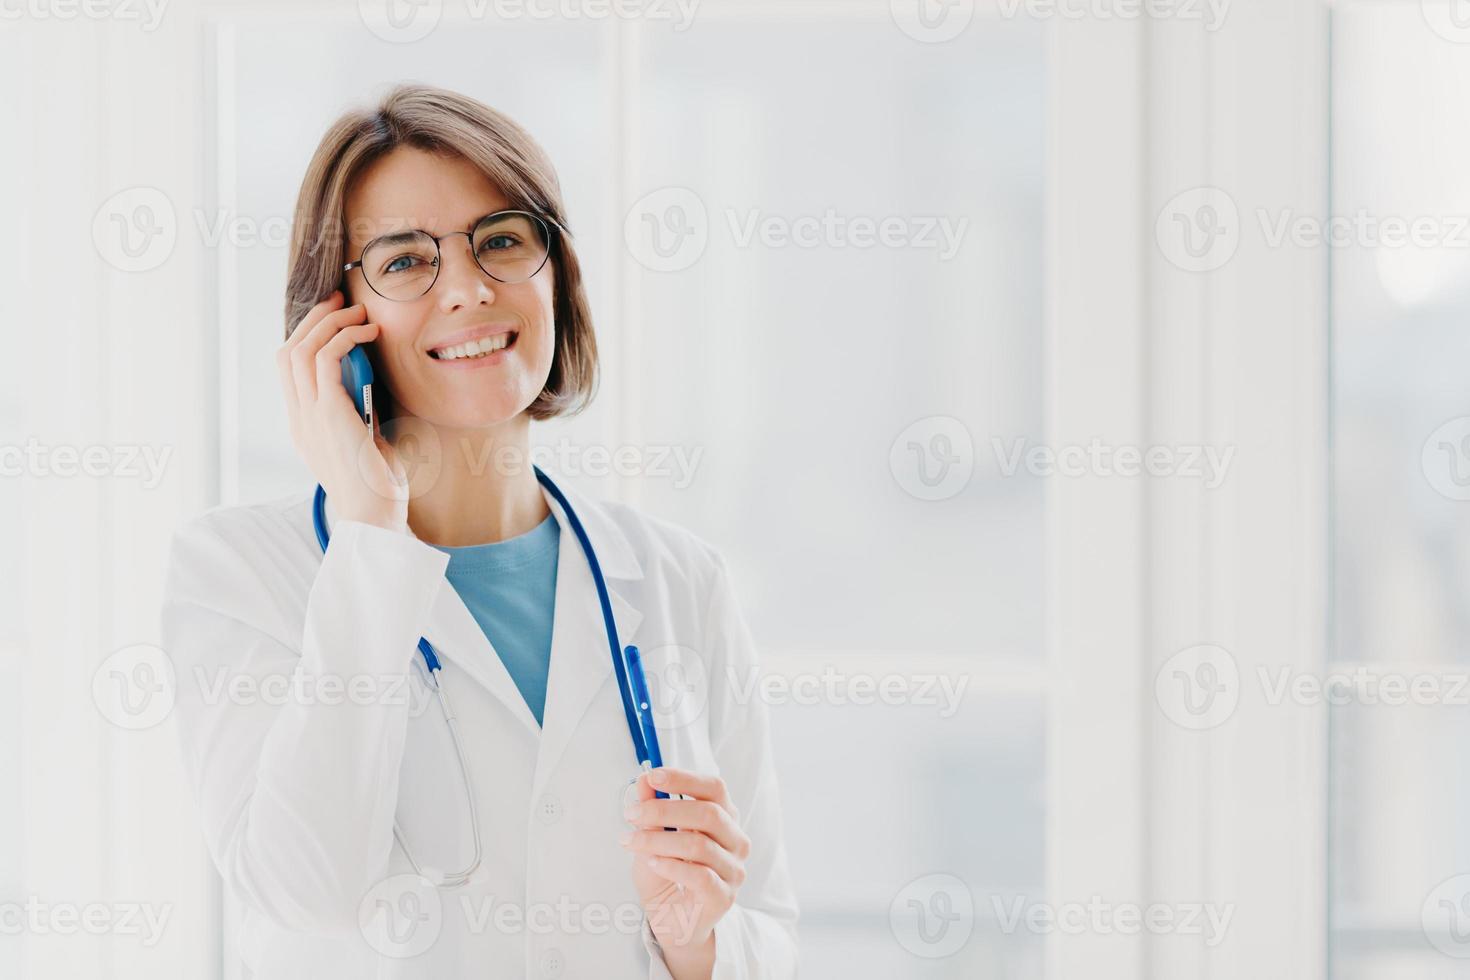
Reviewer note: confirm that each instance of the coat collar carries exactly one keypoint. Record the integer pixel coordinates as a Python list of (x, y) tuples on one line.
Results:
[(581, 667)]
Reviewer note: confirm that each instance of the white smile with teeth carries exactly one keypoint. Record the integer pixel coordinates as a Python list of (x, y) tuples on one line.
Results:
[(483, 347)]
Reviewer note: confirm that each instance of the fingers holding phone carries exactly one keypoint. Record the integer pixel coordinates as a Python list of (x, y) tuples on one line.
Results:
[(364, 483)]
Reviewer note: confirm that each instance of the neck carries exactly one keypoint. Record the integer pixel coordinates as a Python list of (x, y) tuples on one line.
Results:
[(485, 489)]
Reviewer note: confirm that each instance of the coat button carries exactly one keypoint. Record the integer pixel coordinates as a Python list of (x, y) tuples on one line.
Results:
[(549, 809), (552, 963)]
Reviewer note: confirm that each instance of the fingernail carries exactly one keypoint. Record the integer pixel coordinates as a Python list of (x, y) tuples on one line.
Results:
[(653, 861), (633, 812), (625, 839), (657, 777)]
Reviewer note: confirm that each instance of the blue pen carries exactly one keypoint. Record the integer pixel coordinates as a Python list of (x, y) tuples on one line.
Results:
[(643, 708), (643, 711)]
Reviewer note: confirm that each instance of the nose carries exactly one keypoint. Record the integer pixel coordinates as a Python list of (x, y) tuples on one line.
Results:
[(461, 281)]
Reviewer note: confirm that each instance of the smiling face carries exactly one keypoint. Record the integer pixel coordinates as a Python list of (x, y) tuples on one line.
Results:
[(422, 346)]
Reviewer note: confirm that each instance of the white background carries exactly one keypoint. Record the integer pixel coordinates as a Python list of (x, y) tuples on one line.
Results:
[(1070, 142)]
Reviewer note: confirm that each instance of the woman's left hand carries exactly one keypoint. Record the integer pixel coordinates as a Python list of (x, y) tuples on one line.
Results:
[(686, 878)]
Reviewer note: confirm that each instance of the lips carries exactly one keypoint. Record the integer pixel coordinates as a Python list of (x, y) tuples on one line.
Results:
[(474, 344)]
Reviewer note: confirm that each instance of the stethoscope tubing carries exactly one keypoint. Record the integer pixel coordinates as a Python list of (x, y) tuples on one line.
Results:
[(627, 662)]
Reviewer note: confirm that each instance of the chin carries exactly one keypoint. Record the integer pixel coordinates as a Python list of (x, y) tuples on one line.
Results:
[(480, 414), (483, 415)]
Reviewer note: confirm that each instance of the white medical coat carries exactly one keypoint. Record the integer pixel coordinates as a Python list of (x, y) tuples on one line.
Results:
[(307, 728)]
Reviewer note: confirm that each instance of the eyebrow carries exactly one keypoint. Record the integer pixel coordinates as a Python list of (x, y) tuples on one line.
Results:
[(401, 237), (396, 238)]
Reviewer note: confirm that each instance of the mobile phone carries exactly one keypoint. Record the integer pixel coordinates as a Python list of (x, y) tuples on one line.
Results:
[(357, 378)]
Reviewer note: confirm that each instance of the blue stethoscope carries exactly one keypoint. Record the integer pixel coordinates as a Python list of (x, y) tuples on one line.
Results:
[(627, 664)]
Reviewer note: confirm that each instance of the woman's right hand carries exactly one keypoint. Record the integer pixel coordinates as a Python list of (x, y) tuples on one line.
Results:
[(364, 482)]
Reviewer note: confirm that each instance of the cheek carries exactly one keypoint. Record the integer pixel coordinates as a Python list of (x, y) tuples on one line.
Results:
[(547, 301), (396, 330)]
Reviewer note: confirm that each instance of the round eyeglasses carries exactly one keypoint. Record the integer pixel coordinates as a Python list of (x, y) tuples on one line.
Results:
[(510, 246)]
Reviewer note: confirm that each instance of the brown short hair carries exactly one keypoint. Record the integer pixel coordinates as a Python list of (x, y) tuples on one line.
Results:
[(441, 121)]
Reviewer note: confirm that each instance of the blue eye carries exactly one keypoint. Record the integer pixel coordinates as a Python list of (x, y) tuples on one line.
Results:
[(401, 264), (510, 241)]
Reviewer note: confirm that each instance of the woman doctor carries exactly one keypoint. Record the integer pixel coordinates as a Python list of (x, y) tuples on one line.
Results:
[(335, 803)]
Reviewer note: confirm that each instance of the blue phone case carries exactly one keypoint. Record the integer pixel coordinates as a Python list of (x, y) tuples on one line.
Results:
[(357, 378)]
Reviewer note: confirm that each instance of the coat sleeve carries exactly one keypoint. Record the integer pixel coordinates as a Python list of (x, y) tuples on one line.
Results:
[(757, 938), (292, 734)]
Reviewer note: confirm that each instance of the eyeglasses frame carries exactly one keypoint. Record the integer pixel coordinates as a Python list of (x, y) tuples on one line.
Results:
[(549, 223)]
